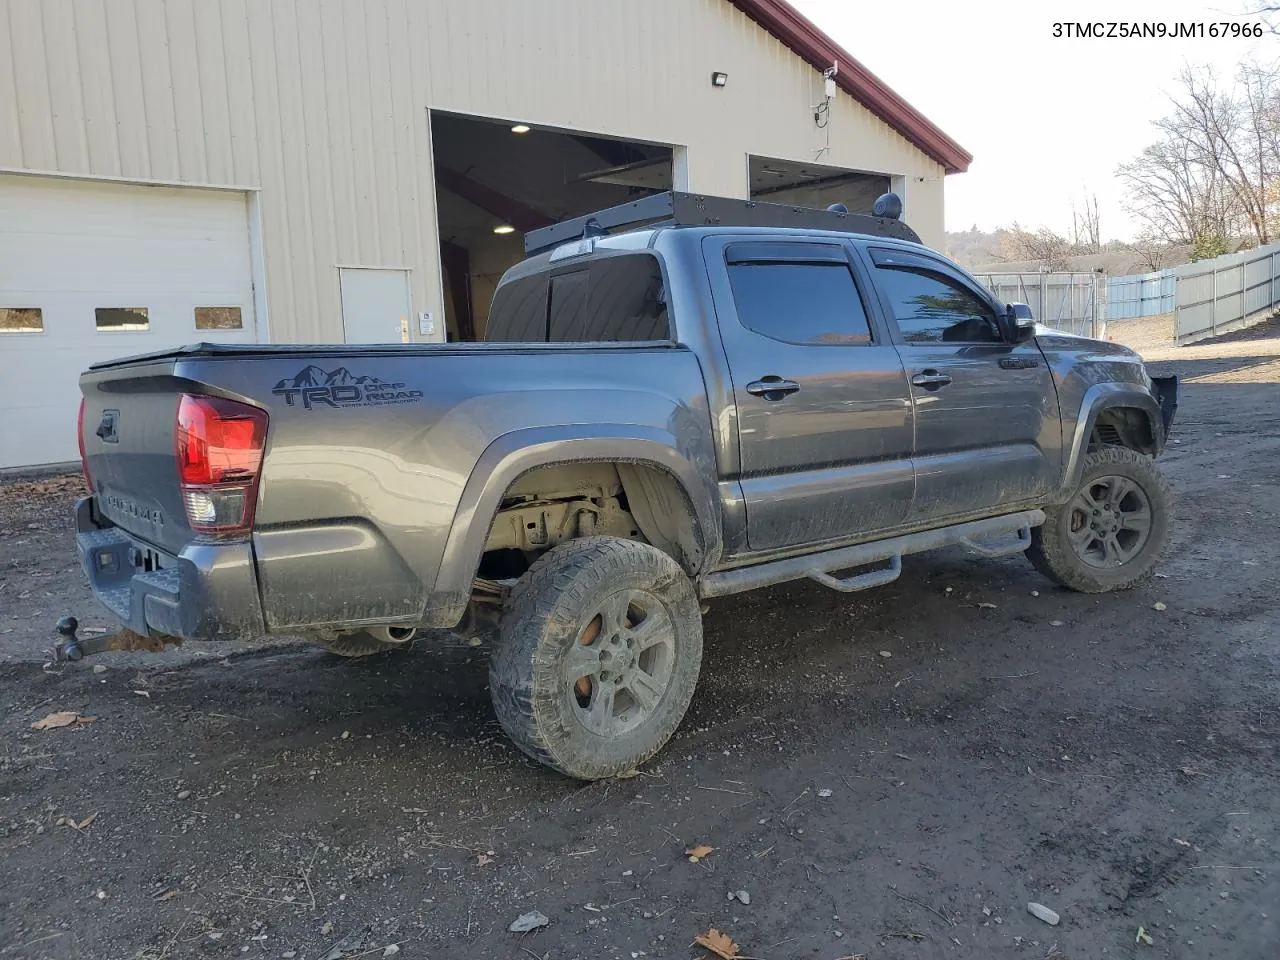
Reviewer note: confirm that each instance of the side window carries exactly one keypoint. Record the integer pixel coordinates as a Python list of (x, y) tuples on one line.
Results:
[(932, 308), (799, 302)]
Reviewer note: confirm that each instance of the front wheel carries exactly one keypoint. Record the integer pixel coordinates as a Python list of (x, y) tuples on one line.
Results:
[(599, 653), (1111, 534)]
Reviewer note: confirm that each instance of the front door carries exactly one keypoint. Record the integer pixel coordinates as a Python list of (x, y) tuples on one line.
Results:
[(822, 404), (987, 428), (375, 305)]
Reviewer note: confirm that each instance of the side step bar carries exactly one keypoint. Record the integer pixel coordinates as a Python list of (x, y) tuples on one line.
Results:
[(1011, 533)]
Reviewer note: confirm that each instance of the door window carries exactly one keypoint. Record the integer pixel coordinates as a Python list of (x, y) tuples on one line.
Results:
[(799, 302), (932, 308)]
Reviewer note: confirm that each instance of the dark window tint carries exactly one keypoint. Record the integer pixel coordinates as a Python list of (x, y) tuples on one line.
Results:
[(219, 318), (799, 302), (121, 318), (519, 311), (931, 308), (617, 298), (625, 300), (21, 320), (568, 307)]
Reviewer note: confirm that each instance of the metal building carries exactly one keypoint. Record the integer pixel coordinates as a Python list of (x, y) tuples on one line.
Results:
[(362, 170)]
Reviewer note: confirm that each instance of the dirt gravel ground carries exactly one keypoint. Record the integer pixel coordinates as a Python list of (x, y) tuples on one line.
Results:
[(893, 774)]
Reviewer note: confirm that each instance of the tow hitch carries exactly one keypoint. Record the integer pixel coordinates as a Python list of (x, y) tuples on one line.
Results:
[(72, 648)]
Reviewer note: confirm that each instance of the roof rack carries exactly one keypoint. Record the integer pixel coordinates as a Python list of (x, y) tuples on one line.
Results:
[(677, 209)]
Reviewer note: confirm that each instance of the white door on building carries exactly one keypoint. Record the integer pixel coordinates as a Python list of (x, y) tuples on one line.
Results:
[(375, 305), (92, 271)]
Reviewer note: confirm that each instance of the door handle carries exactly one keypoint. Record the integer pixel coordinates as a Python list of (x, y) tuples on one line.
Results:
[(930, 380), (772, 388)]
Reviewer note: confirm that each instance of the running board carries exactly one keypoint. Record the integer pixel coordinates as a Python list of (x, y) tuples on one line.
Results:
[(1012, 534)]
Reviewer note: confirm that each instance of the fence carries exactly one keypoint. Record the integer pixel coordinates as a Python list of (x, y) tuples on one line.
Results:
[(1141, 295), (1066, 301), (1226, 293)]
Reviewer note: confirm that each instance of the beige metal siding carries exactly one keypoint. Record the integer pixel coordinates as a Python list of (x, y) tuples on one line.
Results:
[(322, 105)]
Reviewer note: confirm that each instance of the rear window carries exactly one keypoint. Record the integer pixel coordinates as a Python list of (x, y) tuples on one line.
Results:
[(618, 299)]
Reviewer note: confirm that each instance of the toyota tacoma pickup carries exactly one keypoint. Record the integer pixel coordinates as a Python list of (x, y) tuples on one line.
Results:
[(678, 399)]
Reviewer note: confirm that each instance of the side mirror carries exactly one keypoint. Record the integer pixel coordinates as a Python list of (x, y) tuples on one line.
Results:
[(1019, 322)]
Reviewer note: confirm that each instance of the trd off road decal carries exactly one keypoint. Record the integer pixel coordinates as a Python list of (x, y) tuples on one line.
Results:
[(340, 388)]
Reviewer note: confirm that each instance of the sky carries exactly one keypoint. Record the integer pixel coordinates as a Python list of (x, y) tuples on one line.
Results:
[(1047, 119)]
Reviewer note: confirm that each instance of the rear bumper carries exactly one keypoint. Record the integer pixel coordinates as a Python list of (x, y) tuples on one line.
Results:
[(206, 592)]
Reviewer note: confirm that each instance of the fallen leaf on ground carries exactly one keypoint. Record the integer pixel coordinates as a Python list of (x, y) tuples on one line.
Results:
[(986, 606), (1158, 606), (143, 693), (86, 821), (699, 851), (63, 718), (1181, 843), (718, 943), (1143, 937), (482, 859), (167, 895)]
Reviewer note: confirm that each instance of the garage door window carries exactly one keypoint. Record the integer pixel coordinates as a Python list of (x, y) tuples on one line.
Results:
[(112, 319), (21, 320), (218, 318)]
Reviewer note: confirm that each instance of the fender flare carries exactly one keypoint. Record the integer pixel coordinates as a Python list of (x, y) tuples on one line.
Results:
[(1100, 397), (514, 454)]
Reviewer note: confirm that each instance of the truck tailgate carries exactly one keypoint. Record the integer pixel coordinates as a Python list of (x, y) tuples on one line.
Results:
[(128, 431)]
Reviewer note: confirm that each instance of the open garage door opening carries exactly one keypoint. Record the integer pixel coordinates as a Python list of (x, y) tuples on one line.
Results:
[(497, 180), (814, 185)]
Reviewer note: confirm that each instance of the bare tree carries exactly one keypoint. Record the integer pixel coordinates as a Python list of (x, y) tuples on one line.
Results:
[(1041, 245), (1269, 13), (1174, 197), (1234, 134), (1086, 227), (1151, 252)]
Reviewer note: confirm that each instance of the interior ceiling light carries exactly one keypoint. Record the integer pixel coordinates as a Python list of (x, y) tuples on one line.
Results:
[(504, 228), (520, 128)]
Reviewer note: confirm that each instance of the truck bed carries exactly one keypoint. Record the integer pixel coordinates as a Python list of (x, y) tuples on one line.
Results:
[(376, 459)]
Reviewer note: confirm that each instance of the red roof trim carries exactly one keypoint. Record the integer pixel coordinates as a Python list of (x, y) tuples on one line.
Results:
[(820, 51)]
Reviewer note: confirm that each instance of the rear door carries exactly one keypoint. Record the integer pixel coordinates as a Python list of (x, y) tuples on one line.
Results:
[(822, 404), (986, 424)]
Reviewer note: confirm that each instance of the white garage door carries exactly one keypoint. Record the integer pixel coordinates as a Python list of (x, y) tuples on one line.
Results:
[(90, 271)]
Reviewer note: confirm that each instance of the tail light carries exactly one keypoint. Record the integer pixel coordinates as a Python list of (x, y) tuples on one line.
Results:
[(84, 461), (220, 444)]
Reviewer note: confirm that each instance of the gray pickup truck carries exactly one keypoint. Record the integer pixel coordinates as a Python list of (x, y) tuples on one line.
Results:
[(680, 399)]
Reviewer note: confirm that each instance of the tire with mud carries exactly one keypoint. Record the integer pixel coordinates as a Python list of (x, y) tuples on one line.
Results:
[(363, 643), (1113, 531), (598, 656)]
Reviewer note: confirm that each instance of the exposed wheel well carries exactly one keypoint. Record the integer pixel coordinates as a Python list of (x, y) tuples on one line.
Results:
[(1123, 427), (555, 503)]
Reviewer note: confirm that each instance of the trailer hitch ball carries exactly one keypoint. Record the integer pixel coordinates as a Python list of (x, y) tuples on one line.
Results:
[(69, 645)]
